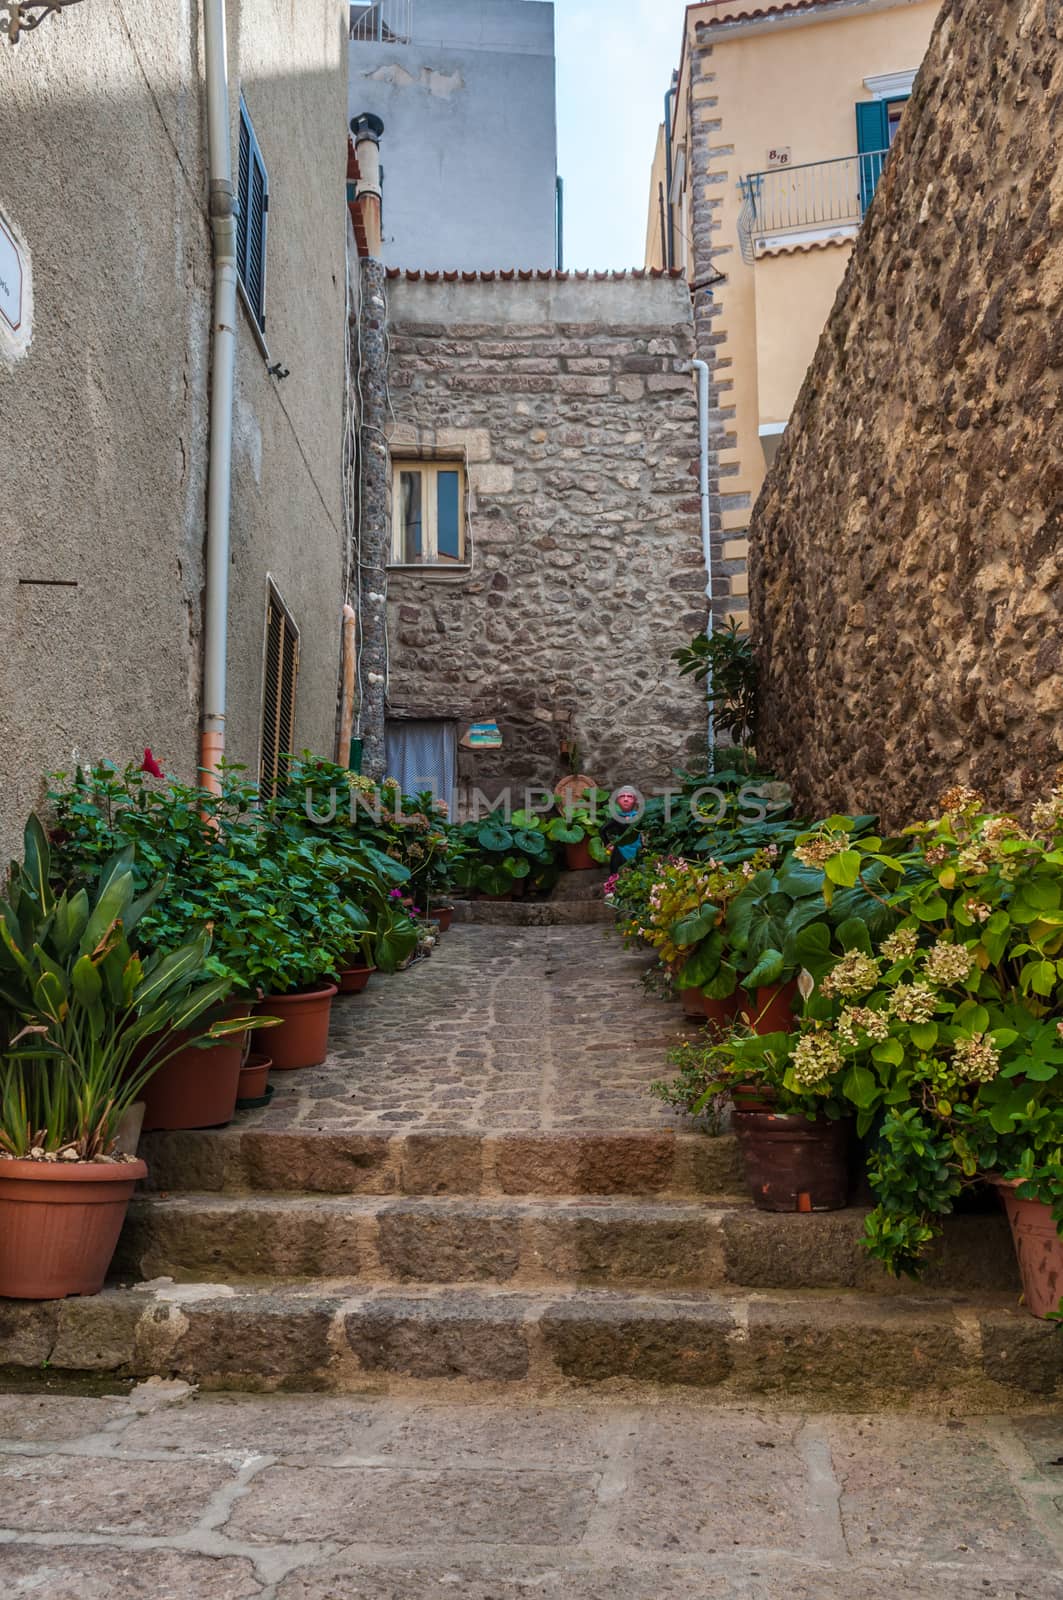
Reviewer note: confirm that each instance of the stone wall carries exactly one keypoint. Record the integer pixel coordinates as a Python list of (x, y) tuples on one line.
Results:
[(568, 399), (907, 554)]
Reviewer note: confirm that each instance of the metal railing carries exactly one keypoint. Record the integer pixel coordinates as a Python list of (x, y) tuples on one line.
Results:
[(386, 22), (788, 200)]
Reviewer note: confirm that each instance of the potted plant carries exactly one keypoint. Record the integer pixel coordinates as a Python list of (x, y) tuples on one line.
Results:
[(579, 829), (793, 1123), (85, 1020), (951, 1039), (496, 857)]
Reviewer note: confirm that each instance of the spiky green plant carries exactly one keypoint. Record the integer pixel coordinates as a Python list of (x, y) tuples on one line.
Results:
[(85, 1021)]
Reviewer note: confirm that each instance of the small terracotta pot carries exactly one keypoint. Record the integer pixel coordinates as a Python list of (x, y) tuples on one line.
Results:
[(773, 1009), (59, 1224), (578, 857), (692, 1002), (354, 979), (444, 916), (196, 1088), (254, 1076), (793, 1164), (1038, 1247), (301, 1040)]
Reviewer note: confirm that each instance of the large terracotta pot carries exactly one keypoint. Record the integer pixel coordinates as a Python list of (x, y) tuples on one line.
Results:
[(59, 1224), (691, 1001), (773, 1009), (196, 1088), (444, 916), (1039, 1248), (721, 1014), (793, 1164), (301, 1040), (578, 857), (753, 1097), (354, 979)]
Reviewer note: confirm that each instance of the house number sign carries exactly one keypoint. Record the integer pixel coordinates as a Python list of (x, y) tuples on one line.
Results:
[(12, 279)]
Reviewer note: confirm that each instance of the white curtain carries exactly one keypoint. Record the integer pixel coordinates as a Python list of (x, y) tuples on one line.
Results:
[(424, 755)]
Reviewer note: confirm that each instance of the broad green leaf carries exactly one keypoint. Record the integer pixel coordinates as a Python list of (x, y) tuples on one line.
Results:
[(844, 868), (860, 1086)]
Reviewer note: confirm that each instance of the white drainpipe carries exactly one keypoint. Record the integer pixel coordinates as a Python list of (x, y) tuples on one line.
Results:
[(702, 370), (223, 364)]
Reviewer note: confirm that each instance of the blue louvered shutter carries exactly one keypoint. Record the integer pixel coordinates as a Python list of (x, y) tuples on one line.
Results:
[(872, 141), (253, 196)]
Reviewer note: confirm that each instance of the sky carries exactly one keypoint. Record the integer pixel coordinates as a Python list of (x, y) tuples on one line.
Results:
[(615, 60)]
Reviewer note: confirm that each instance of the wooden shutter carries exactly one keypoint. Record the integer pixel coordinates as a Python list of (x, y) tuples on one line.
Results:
[(278, 695), (253, 196)]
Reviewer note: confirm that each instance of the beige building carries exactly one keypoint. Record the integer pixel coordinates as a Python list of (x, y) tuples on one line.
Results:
[(779, 125), (105, 366)]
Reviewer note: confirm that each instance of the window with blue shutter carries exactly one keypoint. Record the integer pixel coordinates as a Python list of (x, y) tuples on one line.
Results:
[(253, 197), (872, 142)]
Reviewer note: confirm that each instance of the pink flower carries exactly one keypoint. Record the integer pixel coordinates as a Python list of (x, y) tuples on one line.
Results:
[(151, 766)]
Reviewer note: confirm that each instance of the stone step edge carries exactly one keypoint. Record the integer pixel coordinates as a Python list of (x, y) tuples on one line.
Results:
[(571, 1162), (621, 1242), (534, 913), (840, 1351)]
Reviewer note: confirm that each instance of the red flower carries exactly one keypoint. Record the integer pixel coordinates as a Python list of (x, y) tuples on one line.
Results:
[(151, 766)]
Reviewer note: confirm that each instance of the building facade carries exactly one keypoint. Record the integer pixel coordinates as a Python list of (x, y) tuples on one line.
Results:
[(465, 90), (778, 129), (105, 363), (545, 551)]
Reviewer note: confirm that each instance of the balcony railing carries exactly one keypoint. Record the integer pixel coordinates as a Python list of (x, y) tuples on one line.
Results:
[(820, 194), (386, 22)]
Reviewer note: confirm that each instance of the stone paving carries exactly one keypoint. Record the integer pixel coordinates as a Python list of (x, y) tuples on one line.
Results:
[(502, 1028), (168, 1496)]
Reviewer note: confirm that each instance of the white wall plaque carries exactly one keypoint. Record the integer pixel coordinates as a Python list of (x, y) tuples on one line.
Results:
[(12, 281)]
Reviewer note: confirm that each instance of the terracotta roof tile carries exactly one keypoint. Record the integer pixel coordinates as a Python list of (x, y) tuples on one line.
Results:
[(527, 274), (735, 11)]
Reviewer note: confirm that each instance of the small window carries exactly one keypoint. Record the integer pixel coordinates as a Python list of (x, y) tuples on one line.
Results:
[(278, 695), (428, 514), (253, 196)]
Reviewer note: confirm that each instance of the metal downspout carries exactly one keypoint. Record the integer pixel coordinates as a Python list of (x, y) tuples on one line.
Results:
[(702, 370), (223, 209), (669, 242)]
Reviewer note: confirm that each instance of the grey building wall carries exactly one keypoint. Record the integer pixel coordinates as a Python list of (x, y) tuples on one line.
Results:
[(103, 464), (571, 401), (470, 134)]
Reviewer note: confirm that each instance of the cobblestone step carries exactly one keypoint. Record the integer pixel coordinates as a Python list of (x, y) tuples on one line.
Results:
[(620, 1242), (808, 1350), (265, 1160)]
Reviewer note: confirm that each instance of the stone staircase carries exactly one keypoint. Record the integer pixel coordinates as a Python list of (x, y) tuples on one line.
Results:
[(368, 1261)]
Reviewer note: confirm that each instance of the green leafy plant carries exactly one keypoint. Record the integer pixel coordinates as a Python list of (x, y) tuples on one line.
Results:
[(85, 1018), (494, 855), (727, 661)]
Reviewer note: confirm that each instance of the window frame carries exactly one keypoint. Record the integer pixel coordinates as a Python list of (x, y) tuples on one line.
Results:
[(247, 228), (272, 768), (429, 469)]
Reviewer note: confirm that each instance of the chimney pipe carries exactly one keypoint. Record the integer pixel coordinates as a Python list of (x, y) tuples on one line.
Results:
[(366, 131)]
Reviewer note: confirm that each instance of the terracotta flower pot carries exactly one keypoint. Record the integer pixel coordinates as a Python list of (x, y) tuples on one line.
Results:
[(721, 1014), (59, 1224), (301, 1040), (444, 916), (196, 1088), (773, 1009), (254, 1076), (1038, 1247), (793, 1164), (691, 1001), (578, 857), (354, 979), (753, 1097)]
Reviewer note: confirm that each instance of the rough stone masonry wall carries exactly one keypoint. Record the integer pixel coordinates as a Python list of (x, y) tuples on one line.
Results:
[(908, 564), (567, 399)]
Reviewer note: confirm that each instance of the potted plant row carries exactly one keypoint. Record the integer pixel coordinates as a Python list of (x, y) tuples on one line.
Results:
[(931, 1025)]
